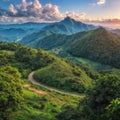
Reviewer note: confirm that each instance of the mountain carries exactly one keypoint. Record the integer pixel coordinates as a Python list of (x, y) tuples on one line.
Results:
[(98, 45), (15, 32), (11, 34), (67, 26), (33, 39)]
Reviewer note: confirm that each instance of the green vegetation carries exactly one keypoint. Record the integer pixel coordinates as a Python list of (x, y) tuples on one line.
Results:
[(21, 100), (113, 109), (23, 58), (11, 95), (65, 27), (101, 94), (42, 106), (38, 104), (98, 45), (101, 101), (53, 71), (64, 75)]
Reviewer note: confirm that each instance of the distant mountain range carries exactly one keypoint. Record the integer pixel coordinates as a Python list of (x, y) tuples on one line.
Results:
[(26, 31), (15, 32), (67, 26), (70, 36)]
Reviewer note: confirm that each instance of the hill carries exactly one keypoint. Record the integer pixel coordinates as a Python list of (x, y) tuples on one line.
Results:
[(98, 45), (67, 26), (33, 39), (52, 70)]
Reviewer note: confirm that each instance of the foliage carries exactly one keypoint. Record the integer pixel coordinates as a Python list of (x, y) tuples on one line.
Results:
[(68, 113), (100, 95), (33, 58), (98, 45), (53, 71), (62, 75), (11, 96), (113, 109), (8, 46)]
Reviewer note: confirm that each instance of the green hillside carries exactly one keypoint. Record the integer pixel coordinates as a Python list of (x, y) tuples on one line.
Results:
[(52, 70), (21, 100), (98, 45), (64, 76)]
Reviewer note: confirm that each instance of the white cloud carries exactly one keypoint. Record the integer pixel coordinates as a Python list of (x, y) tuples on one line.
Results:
[(12, 9), (100, 2), (34, 11), (77, 16)]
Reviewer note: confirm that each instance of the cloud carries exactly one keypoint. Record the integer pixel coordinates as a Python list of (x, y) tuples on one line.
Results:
[(34, 11), (12, 9), (101, 2), (76, 16), (112, 23)]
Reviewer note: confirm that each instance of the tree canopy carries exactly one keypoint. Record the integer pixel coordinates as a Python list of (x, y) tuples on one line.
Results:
[(11, 96)]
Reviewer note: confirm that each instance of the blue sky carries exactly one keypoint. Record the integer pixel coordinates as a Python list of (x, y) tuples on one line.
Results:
[(110, 9), (55, 10)]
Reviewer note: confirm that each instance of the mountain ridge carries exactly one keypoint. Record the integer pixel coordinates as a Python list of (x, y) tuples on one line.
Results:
[(67, 26)]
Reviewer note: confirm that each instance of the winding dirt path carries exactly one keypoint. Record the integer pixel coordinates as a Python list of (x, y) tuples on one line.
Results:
[(30, 78)]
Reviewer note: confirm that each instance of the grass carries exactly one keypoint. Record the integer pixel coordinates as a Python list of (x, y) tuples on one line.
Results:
[(63, 75), (89, 63), (42, 107), (6, 52)]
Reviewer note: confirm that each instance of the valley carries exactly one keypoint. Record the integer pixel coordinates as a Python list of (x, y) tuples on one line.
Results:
[(66, 70)]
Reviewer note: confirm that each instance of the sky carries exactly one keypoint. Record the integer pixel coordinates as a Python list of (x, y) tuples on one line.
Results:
[(106, 12)]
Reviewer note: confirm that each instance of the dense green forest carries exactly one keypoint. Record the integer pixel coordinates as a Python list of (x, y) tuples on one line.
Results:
[(99, 92), (98, 45)]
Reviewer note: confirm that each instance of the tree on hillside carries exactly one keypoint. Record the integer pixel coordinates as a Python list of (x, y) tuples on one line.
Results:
[(24, 54), (103, 92), (113, 109), (11, 95), (68, 113)]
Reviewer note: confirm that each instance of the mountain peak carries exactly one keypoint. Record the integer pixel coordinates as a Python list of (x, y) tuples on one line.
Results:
[(101, 30), (68, 19)]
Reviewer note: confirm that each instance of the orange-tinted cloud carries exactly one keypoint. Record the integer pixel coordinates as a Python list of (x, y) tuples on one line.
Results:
[(112, 23), (100, 2)]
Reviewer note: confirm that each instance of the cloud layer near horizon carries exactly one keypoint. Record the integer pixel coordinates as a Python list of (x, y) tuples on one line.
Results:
[(112, 23)]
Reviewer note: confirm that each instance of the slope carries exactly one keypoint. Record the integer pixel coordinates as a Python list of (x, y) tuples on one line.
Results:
[(52, 70), (99, 45), (67, 26)]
